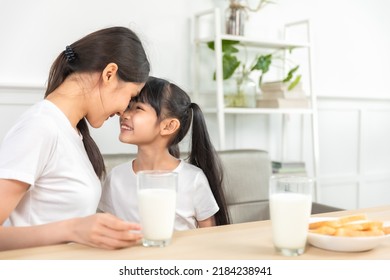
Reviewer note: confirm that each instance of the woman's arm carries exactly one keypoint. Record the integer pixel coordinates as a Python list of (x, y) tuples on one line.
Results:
[(11, 192), (99, 230)]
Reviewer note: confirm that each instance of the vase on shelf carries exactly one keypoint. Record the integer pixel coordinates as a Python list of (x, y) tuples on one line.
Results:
[(236, 15), (240, 91)]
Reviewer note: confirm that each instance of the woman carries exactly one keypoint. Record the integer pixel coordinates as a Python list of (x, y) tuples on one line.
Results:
[(50, 167)]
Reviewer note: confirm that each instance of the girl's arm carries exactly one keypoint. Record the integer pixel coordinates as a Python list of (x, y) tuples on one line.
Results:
[(99, 230), (210, 222)]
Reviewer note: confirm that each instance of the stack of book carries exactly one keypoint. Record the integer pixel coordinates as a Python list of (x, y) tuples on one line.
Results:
[(277, 95), (289, 168)]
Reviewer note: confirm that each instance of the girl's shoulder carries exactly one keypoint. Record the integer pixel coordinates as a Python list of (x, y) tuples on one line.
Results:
[(120, 172), (125, 167), (185, 167)]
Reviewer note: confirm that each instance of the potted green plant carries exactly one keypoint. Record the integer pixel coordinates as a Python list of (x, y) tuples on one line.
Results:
[(232, 65)]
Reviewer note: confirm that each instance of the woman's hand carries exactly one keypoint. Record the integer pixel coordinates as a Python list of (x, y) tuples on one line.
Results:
[(104, 230)]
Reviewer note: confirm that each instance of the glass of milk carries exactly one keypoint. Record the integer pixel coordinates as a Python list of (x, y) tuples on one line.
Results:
[(290, 200), (156, 192)]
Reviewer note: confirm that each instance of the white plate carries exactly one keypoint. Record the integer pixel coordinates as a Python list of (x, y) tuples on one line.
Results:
[(344, 244)]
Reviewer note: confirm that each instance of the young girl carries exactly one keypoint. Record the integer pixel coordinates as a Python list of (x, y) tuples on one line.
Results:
[(50, 167), (156, 121)]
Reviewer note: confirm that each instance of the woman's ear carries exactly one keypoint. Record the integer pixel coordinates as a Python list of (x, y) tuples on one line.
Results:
[(109, 72), (169, 126)]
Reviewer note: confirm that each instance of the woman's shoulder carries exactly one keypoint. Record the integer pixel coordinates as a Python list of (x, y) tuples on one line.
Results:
[(39, 115), (33, 122)]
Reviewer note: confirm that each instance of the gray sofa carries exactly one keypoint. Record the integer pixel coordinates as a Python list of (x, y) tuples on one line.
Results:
[(246, 183)]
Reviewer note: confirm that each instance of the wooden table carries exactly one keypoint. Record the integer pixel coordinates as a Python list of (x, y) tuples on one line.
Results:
[(246, 241)]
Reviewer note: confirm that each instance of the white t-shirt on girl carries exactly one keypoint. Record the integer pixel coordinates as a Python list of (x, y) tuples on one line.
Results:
[(195, 201), (45, 151)]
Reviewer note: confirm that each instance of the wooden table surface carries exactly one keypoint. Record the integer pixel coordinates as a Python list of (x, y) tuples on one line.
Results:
[(246, 241)]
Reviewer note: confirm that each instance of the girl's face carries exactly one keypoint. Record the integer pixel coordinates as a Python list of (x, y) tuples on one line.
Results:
[(139, 124), (113, 101)]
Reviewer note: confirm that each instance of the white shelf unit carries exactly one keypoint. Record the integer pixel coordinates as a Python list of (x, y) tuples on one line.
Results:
[(221, 111)]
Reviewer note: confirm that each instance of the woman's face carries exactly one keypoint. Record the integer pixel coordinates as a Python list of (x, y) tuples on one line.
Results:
[(139, 124), (113, 100)]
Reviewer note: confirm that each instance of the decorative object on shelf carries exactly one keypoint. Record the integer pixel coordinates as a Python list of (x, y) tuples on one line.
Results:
[(289, 167), (279, 94), (237, 14), (303, 103), (243, 95), (241, 92), (280, 89)]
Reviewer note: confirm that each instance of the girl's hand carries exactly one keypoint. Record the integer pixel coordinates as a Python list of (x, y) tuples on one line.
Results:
[(106, 231)]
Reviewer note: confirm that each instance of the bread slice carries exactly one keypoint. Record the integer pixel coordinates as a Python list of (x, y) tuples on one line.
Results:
[(339, 222), (350, 226)]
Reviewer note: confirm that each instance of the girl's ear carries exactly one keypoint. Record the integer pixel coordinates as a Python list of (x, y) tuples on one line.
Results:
[(169, 126), (109, 72)]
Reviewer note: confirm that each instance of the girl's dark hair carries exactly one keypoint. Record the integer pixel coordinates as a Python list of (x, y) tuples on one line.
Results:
[(170, 101), (93, 53)]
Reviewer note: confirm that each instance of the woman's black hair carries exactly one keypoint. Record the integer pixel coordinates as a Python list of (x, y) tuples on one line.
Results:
[(93, 53), (170, 101)]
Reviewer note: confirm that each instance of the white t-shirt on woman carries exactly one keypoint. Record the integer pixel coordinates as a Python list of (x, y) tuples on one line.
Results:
[(195, 201), (45, 151)]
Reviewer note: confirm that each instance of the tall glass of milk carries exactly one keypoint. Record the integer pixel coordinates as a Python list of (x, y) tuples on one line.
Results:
[(290, 208), (156, 192)]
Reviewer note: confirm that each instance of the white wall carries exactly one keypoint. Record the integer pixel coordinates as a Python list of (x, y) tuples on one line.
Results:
[(351, 59), (351, 39), (351, 42), (32, 33)]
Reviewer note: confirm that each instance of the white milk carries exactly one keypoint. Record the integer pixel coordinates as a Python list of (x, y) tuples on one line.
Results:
[(157, 213), (290, 214)]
